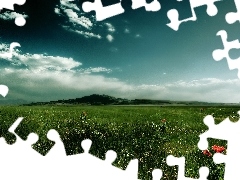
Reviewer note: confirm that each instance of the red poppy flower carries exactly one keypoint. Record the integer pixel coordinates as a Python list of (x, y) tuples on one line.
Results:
[(207, 153), (218, 149)]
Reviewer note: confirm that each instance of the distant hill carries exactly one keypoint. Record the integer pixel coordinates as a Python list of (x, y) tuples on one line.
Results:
[(13, 101), (96, 99)]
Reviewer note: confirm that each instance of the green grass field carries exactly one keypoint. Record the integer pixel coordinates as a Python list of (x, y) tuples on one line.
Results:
[(133, 132)]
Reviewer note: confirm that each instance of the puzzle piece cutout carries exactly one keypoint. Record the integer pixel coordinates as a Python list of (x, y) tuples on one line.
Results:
[(180, 162), (107, 170), (4, 90), (20, 21), (157, 174), (103, 12), (21, 158), (9, 4), (8, 55), (17, 155), (173, 14), (232, 17), (56, 164), (116, 9), (229, 131), (219, 54), (153, 6)]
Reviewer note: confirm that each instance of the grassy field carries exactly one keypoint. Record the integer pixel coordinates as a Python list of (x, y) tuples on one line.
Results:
[(147, 133)]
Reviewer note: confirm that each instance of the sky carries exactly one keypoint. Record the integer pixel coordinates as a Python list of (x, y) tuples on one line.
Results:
[(66, 53)]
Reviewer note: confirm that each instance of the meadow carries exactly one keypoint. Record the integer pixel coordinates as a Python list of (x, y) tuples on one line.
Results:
[(148, 133)]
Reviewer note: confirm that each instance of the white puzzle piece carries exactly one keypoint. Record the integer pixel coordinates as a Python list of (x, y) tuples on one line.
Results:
[(180, 162), (220, 54), (153, 6), (21, 158), (173, 14), (229, 131), (9, 4), (103, 12), (232, 17)]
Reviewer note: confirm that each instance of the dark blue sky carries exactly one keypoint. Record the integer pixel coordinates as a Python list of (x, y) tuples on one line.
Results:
[(65, 53)]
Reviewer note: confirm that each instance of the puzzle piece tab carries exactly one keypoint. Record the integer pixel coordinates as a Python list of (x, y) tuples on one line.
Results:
[(180, 162), (21, 158), (229, 131), (17, 155), (153, 6), (4, 90), (232, 17), (9, 4), (107, 170), (20, 21), (103, 12), (173, 14), (157, 174), (219, 54)]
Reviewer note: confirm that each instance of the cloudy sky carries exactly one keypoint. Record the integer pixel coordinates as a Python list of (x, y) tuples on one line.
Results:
[(65, 53)]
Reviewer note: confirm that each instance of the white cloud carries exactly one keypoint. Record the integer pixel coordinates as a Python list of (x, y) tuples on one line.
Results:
[(197, 90), (57, 11), (41, 83), (81, 23), (41, 77), (84, 33), (4, 47), (68, 4), (109, 37), (76, 20), (36, 63), (40, 62), (126, 30), (97, 70), (11, 15), (137, 36), (110, 27), (113, 49)]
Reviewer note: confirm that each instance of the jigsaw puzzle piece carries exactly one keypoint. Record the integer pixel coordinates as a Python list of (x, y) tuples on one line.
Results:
[(9, 4), (232, 17), (229, 131), (8, 137), (216, 131), (103, 12), (219, 158), (58, 150), (19, 154), (219, 54), (153, 6), (131, 171), (24, 146), (107, 171), (230, 171), (180, 162), (173, 14)]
